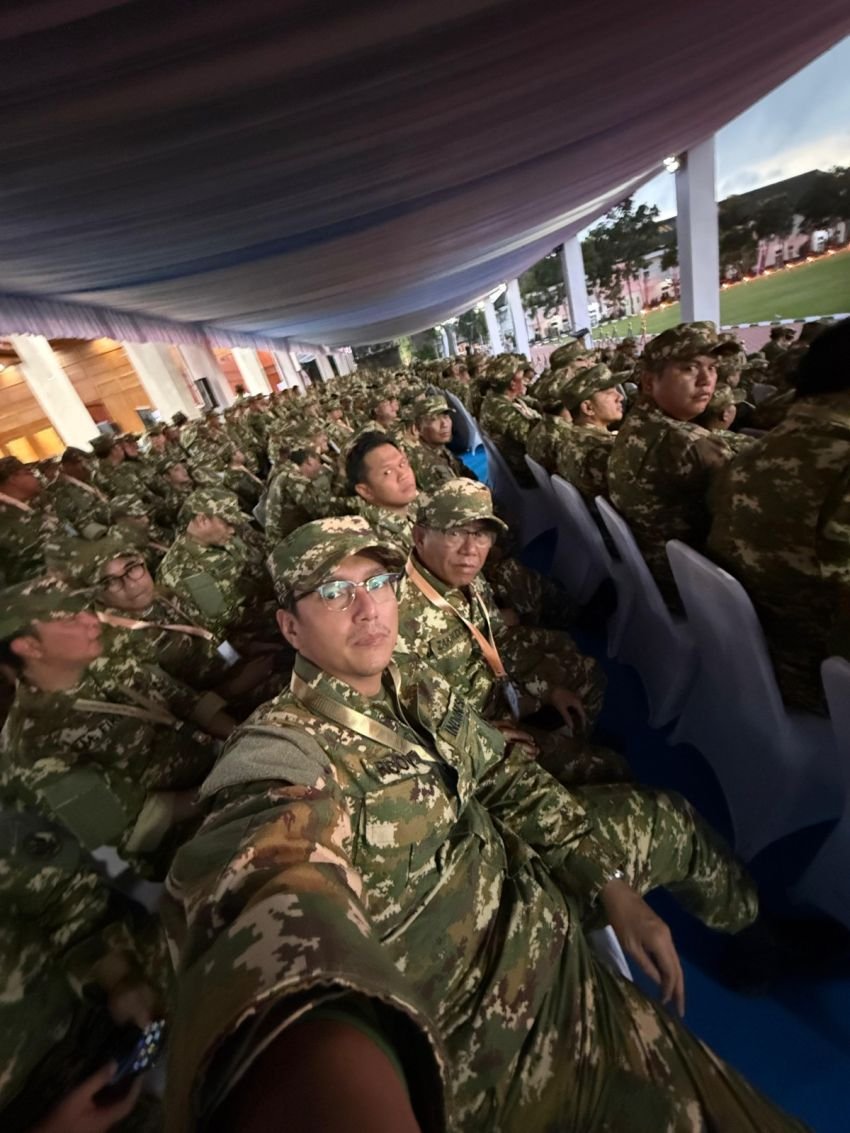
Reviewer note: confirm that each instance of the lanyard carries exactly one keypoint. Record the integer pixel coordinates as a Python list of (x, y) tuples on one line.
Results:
[(132, 623), (487, 647), (356, 721), (90, 488), (15, 503)]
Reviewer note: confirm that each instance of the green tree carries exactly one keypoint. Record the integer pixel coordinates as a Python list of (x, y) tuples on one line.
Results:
[(472, 326), (619, 246), (827, 200), (773, 218), (543, 284)]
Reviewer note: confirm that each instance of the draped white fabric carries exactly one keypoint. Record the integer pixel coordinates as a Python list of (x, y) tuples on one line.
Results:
[(341, 173)]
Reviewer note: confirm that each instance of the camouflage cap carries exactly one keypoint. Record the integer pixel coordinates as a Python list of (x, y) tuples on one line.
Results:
[(9, 465), (566, 354), (306, 557), (722, 398), (102, 444), (216, 502), (457, 502), (37, 600), (157, 430), (433, 405), (79, 562), (585, 384), (685, 341)]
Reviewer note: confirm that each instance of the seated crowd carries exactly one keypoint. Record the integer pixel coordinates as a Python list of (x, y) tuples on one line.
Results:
[(284, 660)]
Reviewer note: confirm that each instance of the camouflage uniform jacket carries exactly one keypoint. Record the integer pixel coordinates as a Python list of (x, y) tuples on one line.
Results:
[(122, 479), (84, 506), (445, 883), (110, 776), (24, 531), (222, 583), (192, 659), (60, 921), (395, 528), (210, 453), (546, 437), (508, 422), (582, 459), (293, 499), (536, 659), (659, 473), (434, 465), (781, 525)]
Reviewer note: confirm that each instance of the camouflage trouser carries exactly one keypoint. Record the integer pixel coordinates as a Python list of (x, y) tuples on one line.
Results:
[(575, 762), (537, 599), (662, 841), (579, 672)]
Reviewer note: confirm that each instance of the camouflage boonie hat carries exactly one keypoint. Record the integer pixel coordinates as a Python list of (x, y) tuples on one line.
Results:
[(722, 398), (685, 341), (306, 557), (434, 405), (457, 502), (213, 501), (9, 465), (566, 354), (37, 600), (79, 562), (585, 384)]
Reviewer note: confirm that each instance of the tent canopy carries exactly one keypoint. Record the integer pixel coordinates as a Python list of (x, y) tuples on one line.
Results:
[(342, 173)]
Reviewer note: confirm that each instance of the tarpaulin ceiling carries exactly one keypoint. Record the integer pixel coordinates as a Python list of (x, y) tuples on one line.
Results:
[(341, 173)]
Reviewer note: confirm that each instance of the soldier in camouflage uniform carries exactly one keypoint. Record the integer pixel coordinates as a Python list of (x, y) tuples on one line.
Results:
[(299, 490), (385, 893), (105, 748), (383, 488), (719, 415), (595, 401), (432, 460), (217, 566), (449, 618), (546, 435), (564, 363), (661, 464), (781, 523), (26, 521), (507, 417), (780, 339), (76, 960), (76, 500)]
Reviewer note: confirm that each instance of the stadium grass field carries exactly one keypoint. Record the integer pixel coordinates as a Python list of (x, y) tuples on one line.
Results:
[(821, 287)]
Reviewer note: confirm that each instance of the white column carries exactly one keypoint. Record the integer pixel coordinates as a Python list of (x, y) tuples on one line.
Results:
[(451, 339), (493, 331), (162, 378), (202, 363), (443, 340), (326, 370), (518, 319), (251, 369), (343, 361), (54, 390), (697, 234), (575, 280)]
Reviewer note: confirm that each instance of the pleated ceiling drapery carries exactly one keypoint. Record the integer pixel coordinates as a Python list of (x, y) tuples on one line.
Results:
[(341, 173)]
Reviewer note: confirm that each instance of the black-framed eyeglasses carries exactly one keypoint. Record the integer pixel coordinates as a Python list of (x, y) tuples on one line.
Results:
[(132, 572), (338, 594)]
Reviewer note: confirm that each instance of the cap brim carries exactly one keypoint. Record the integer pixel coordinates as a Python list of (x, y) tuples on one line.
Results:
[(302, 584)]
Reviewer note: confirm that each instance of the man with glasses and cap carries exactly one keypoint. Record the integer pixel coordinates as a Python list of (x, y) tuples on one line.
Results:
[(385, 908), (662, 463), (449, 619)]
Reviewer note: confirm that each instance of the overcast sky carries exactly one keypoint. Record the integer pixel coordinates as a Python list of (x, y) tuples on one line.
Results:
[(803, 124)]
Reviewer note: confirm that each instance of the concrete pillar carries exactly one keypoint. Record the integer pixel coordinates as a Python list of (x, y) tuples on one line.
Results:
[(697, 234), (451, 338), (163, 379), (251, 369), (442, 341), (326, 370), (518, 319), (494, 332), (202, 363), (572, 263), (53, 390), (283, 361), (343, 361)]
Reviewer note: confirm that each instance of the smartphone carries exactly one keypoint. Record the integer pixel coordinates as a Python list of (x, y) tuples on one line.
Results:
[(135, 1052)]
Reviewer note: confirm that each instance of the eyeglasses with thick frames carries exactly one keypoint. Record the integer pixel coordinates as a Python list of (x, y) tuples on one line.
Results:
[(456, 536), (132, 573), (338, 594)]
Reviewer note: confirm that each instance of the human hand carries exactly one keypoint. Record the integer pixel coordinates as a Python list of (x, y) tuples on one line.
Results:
[(509, 617), (570, 707), (646, 939), (79, 1112), (515, 735)]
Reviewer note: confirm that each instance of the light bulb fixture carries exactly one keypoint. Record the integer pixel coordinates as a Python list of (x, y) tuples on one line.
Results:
[(672, 163)]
